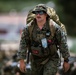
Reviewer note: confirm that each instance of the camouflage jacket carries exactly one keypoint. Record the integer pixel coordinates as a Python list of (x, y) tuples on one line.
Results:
[(59, 34)]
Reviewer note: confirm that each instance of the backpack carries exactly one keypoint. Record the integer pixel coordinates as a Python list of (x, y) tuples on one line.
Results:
[(52, 14)]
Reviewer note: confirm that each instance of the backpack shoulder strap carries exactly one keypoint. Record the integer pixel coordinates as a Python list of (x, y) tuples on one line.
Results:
[(30, 29), (52, 27)]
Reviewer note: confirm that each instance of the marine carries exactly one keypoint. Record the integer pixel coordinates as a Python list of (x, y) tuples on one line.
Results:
[(43, 37)]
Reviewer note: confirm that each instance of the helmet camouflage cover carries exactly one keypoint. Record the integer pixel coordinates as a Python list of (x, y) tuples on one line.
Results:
[(40, 7)]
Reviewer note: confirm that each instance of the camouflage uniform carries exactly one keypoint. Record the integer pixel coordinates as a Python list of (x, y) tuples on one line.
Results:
[(47, 63)]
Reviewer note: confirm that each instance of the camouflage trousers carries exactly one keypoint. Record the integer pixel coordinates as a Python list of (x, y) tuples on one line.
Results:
[(50, 68)]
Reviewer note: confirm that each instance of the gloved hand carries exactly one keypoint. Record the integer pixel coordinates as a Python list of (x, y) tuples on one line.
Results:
[(66, 66), (22, 66)]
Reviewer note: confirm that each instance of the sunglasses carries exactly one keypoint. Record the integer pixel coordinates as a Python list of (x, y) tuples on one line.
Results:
[(39, 12)]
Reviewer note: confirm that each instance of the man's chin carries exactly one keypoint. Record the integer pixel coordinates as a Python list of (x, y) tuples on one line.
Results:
[(39, 20)]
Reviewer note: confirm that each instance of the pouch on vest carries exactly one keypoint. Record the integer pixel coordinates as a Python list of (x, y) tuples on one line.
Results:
[(39, 51), (53, 49)]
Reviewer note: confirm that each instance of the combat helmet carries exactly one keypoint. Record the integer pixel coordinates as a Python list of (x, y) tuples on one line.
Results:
[(40, 7)]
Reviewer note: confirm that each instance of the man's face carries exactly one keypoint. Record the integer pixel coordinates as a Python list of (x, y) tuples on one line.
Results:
[(40, 16)]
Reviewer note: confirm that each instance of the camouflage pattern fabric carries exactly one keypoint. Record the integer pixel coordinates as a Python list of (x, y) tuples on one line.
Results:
[(60, 36), (50, 68)]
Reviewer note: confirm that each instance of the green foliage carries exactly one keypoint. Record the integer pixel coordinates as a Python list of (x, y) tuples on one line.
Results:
[(68, 15), (17, 5), (25, 0), (73, 49)]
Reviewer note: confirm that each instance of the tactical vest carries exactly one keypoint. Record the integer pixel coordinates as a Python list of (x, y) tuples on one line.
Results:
[(38, 50)]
